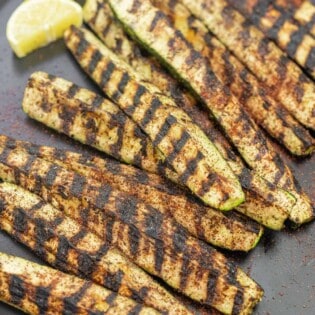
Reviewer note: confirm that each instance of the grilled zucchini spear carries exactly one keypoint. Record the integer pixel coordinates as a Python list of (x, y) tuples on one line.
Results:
[(278, 25), (67, 246), (285, 79), (192, 267), (67, 108), (99, 16), (182, 143), (233, 232), (37, 289), (150, 26), (272, 116)]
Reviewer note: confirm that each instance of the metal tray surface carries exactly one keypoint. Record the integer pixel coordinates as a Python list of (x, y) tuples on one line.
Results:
[(283, 262)]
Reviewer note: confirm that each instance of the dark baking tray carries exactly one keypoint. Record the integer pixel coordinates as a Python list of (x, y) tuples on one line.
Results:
[(283, 262)]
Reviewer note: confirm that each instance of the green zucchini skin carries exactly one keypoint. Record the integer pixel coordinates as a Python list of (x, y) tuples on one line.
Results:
[(98, 15), (183, 145), (289, 35), (87, 255), (152, 28), (285, 79), (37, 289), (232, 232), (185, 268)]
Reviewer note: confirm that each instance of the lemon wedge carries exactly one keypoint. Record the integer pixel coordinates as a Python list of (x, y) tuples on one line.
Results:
[(37, 23)]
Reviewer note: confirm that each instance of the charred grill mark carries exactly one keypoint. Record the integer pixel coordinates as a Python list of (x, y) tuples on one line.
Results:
[(159, 255), (139, 295), (135, 5), (158, 16), (127, 209), (82, 45), (259, 10), (121, 86), (42, 234), (263, 48), (282, 67), (113, 167), (227, 15), (310, 61), (153, 223), (78, 237), (247, 86), (51, 77), (42, 295), (178, 146), (276, 27), (2, 206), (20, 220), (300, 132), (106, 29), (118, 121), (9, 143), (86, 264), (67, 115), (4, 154), (244, 34), (184, 273), (107, 73), (193, 57), (104, 193), (94, 61), (72, 91), (51, 175), (113, 280), (17, 289), (238, 302), (207, 184), (191, 168), (151, 111), (90, 131), (134, 237), (136, 310), (119, 43), (77, 185), (97, 101), (111, 298), (169, 121), (179, 239), (295, 40), (211, 285), (109, 230), (70, 303), (246, 178), (229, 70), (280, 167), (62, 253), (141, 90)]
